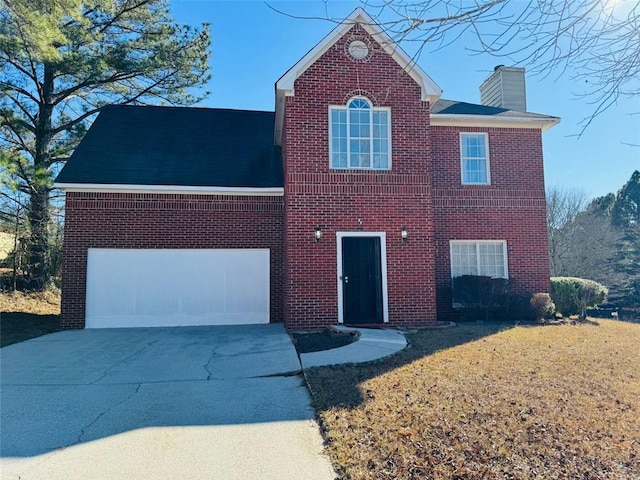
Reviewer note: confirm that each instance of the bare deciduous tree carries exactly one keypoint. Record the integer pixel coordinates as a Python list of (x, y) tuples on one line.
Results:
[(582, 240), (563, 207), (13, 207), (595, 41)]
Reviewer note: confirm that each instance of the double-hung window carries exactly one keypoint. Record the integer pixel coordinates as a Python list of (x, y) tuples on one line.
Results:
[(479, 257), (474, 158), (360, 136)]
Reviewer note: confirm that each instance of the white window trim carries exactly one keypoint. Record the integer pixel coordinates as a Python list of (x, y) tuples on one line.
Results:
[(487, 159), (504, 253), (383, 271), (345, 108)]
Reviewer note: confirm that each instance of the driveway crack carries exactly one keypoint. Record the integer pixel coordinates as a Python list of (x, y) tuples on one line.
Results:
[(121, 361), (206, 365), (104, 412), (292, 373)]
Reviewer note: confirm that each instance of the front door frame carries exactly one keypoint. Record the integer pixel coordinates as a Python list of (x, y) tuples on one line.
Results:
[(383, 268)]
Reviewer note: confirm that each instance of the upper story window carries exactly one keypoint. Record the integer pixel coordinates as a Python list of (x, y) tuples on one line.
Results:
[(359, 136), (474, 158)]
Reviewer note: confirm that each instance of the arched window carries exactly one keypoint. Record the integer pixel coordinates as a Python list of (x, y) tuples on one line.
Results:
[(360, 136)]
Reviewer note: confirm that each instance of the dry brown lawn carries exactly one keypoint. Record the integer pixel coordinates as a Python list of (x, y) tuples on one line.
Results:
[(39, 303), (490, 402)]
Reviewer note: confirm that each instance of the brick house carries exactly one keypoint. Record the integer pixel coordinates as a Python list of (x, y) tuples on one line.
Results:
[(355, 202)]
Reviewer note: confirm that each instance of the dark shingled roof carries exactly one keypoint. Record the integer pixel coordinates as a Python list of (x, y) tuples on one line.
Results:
[(453, 107), (135, 145)]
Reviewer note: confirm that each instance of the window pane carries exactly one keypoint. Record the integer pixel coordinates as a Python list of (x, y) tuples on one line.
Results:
[(380, 124), (474, 171), (359, 103), (338, 138), (339, 160), (473, 146), (478, 258), (491, 258), (474, 158), (359, 123), (359, 136), (463, 259), (380, 160), (360, 155), (338, 143)]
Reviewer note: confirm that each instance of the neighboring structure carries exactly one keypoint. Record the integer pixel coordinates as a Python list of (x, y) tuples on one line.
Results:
[(355, 202)]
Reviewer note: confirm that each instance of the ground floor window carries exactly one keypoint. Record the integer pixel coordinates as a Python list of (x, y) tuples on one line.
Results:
[(479, 257)]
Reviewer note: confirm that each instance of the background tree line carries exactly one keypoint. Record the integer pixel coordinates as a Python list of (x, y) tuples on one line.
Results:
[(598, 239)]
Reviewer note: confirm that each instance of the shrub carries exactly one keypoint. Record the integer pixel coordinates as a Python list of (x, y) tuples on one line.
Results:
[(478, 295), (541, 305), (518, 308), (574, 295)]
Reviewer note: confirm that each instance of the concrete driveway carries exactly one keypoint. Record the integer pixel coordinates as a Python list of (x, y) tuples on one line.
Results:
[(150, 403)]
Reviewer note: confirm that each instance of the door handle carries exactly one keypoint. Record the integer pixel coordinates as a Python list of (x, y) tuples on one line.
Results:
[(345, 279)]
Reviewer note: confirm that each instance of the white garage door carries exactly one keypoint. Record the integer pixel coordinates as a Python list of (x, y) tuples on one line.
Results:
[(168, 287)]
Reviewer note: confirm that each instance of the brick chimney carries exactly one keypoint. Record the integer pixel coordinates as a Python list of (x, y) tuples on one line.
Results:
[(505, 88)]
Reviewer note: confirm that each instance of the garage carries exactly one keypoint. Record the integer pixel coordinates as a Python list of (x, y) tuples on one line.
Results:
[(176, 287)]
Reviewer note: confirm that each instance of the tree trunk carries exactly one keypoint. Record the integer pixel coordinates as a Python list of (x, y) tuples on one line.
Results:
[(16, 253), (39, 215), (38, 276)]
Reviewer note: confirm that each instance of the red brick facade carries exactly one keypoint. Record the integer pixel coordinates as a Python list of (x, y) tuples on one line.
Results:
[(137, 220), (512, 208), (422, 191), (354, 201)]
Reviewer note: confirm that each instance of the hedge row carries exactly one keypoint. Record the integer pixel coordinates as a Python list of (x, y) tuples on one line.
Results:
[(574, 295), (480, 296)]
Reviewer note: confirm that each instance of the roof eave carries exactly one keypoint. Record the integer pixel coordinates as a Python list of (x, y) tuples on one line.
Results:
[(169, 189), (456, 120)]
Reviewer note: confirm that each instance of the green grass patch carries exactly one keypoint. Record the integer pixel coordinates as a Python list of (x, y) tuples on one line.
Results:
[(489, 401)]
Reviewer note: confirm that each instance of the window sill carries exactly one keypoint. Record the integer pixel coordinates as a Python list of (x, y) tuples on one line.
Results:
[(363, 169)]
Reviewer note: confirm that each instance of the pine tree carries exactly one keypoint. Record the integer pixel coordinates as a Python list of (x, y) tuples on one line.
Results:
[(625, 217), (60, 62)]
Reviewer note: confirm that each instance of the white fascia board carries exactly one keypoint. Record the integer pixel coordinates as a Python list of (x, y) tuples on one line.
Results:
[(170, 189), (449, 120)]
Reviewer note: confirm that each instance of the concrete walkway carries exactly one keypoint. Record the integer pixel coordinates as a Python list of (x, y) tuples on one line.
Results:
[(158, 403), (373, 344)]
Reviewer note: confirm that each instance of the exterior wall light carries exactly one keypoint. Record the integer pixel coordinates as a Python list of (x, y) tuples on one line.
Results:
[(317, 234), (404, 234)]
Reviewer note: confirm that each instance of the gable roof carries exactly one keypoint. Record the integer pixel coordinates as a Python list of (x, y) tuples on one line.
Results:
[(454, 113), (285, 85), (176, 147)]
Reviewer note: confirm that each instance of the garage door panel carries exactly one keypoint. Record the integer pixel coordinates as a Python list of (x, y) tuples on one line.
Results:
[(241, 270), (116, 288), (166, 287)]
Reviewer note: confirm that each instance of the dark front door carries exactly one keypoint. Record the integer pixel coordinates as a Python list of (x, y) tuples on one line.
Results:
[(361, 280)]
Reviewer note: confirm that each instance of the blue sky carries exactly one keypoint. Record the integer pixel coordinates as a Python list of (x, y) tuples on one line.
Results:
[(254, 45)]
